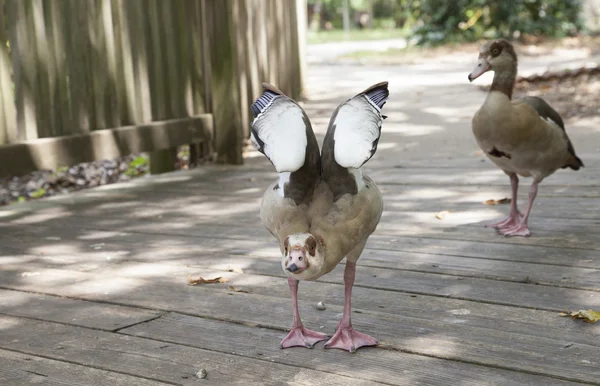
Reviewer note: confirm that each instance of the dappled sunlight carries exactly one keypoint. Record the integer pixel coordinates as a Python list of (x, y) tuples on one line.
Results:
[(41, 216), (56, 248), (6, 324), (95, 235), (411, 130)]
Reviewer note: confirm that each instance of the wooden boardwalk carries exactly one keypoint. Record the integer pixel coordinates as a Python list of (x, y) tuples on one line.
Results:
[(94, 285)]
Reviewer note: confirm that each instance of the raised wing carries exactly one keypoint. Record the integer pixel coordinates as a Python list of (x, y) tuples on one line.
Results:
[(282, 132), (352, 138)]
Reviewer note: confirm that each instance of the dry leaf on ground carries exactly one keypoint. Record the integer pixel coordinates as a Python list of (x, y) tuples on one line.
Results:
[(587, 315), (234, 269), (201, 280), (232, 288), (441, 215), (504, 200)]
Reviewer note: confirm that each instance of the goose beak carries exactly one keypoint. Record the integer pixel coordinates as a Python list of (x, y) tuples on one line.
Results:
[(481, 67)]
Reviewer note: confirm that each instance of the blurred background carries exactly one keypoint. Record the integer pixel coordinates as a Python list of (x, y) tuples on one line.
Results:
[(439, 21)]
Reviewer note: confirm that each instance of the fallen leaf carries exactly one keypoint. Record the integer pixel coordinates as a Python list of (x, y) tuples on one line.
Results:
[(588, 316), (232, 288), (504, 200), (234, 269), (441, 215), (201, 280)]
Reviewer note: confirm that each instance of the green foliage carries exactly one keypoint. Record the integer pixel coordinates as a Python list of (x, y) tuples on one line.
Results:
[(468, 20), (440, 21), (41, 192), (138, 166)]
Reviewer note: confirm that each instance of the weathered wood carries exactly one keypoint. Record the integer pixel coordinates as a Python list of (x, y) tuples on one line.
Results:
[(224, 91), (70, 311), (163, 161), (201, 332), (23, 60), (154, 359), (20, 369), (52, 153), (8, 122)]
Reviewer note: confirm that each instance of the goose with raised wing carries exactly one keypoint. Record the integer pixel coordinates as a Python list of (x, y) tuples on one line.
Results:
[(524, 137), (322, 207)]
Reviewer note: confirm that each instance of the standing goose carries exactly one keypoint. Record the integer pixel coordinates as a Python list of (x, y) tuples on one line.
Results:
[(523, 137), (322, 208)]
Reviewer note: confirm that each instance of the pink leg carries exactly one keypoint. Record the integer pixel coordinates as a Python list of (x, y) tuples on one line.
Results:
[(514, 216), (521, 229), (299, 336), (345, 337)]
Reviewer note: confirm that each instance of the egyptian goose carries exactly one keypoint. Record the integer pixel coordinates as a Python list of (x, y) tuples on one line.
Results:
[(322, 208), (523, 137)]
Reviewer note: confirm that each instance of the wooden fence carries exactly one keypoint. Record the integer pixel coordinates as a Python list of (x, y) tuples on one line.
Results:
[(157, 73)]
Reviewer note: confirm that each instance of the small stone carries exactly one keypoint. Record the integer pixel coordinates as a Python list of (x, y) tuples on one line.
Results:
[(201, 374), (585, 362), (321, 306)]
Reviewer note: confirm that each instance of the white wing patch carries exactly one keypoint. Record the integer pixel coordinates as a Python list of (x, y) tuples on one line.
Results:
[(358, 126), (282, 131)]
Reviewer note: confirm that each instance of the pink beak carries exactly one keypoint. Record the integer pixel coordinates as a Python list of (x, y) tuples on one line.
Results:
[(481, 67)]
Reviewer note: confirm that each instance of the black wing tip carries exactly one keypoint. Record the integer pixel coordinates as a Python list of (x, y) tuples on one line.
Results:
[(269, 87), (270, 92), (378, 93), (575, 164)]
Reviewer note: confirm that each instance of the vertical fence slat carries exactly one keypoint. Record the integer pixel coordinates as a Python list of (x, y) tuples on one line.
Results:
[(197, 69), (98, 70), (125, 77), (159, 96), (300, 30), (57, 76), (23, 54), (8, 114), (139, 61), (224, 92), (114, 91)]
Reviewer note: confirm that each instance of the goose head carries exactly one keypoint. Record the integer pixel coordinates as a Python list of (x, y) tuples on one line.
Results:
[(496, 55), (303, 256)]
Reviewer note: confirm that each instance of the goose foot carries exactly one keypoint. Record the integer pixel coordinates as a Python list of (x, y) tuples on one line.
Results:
[(302, 337), (508, 222), (517, 230), (347, 338)]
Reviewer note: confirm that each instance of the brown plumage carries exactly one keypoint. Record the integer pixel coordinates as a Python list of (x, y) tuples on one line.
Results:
[(322, 208), (523, 137)]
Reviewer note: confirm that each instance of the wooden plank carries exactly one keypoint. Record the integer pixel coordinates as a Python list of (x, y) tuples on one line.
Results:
[(451, 335), (20, 369), (170, 294), (201, 333), (156, 360), (85, 314), (485, 175), (52, 153)]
